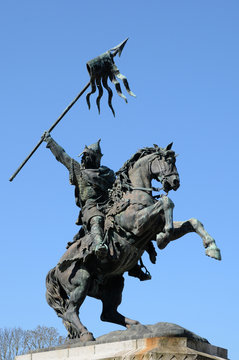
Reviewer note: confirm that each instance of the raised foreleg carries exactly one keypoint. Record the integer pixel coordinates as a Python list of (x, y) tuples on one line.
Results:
[(181, 228), (149, 217)]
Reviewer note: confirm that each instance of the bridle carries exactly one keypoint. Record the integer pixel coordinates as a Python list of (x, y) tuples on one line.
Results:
[(163, 177), (161, 169)]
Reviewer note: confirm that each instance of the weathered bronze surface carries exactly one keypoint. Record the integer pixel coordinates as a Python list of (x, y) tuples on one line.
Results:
[(119, 219), (100, 69)]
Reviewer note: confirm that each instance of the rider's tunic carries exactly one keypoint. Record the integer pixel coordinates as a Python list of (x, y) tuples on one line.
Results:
[(91, 185)]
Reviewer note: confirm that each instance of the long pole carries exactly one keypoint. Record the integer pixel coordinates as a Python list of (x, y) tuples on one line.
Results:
[(51, 128)]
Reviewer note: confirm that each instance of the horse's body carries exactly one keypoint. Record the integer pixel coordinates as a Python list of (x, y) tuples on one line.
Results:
[(131, 223)]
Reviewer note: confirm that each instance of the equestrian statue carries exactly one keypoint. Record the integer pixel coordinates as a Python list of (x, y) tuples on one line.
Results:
[(119, 220)]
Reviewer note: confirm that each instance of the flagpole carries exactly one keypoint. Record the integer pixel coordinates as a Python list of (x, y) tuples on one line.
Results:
[(51, 128)]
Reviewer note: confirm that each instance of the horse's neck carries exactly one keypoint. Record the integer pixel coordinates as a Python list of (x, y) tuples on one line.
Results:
[(139, 174)]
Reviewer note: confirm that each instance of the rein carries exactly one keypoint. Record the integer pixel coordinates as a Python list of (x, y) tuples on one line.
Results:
[(145, 189), (163, 177), (150, 189)]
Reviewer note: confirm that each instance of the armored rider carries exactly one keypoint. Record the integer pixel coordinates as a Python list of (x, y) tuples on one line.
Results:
[(91, 181)]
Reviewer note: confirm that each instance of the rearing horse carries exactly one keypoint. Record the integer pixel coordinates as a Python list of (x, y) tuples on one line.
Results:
[(133, 218)]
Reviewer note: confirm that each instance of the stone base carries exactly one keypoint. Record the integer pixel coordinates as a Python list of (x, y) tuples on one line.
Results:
[(154, 348)]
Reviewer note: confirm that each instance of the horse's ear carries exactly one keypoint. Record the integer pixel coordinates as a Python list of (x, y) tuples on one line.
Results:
[(156, 146), (169, 147)]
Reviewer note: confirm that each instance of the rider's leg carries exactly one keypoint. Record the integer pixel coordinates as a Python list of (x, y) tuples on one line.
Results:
[(182, 228), (96, 230), (111, 297)]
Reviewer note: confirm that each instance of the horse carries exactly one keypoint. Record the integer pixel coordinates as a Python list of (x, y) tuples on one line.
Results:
[(133, 218)]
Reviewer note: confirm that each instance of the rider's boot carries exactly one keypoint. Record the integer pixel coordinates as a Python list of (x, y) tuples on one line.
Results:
[(137, 272), (100, 248)]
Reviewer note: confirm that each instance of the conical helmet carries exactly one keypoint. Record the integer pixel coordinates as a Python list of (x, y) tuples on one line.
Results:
[(95, 148)]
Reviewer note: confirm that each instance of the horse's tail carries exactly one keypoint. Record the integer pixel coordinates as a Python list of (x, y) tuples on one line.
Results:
[(56, 296)]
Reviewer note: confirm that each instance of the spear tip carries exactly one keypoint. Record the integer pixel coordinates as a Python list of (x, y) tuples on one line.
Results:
[(119, 48)]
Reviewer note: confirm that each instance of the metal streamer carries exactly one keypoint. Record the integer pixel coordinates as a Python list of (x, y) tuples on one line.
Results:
[(100, 69)]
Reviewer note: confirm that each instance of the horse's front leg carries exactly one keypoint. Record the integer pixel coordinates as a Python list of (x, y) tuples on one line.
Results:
[(168, 206), (149, 217), (182, 228)]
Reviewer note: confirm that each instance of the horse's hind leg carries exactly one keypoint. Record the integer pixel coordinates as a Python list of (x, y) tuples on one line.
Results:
[(111, 297), (182, 228), (80, 285)]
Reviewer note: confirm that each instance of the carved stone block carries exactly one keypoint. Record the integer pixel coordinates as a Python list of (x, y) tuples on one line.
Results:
[(155, 348)]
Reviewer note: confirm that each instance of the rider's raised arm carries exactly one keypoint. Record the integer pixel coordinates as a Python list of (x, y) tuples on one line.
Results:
[(57, 150)]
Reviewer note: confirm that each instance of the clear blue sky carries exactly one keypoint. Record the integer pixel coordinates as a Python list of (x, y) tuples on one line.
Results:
[(182, 62)]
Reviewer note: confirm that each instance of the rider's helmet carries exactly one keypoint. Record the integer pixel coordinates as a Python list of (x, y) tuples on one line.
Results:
[(91, 155)]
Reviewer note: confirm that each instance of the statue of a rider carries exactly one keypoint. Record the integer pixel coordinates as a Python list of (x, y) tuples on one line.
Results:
[(92, 182)]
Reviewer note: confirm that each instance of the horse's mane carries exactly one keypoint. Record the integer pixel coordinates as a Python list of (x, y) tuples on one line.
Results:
[(134, 158), (122, 182)]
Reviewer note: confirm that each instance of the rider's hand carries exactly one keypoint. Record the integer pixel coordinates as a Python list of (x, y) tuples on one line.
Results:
[(46, 136)]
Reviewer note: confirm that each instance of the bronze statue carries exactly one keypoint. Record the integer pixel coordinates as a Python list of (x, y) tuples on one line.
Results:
[(119, 215), (92, 183), (132, 219)]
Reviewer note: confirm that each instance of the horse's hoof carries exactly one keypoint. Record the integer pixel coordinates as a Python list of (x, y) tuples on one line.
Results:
[(213, 252), (162, 240), (87, 336)]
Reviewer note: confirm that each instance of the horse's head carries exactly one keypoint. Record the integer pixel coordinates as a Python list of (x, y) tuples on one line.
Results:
[(163, 168)]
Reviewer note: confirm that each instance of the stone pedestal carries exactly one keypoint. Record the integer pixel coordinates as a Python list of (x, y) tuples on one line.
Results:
[(158, 348), (162, 341)]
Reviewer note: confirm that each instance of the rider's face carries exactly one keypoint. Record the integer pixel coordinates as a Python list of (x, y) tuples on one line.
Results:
[(89, 161)]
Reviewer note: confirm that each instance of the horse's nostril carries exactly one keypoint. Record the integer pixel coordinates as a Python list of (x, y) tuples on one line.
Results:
[(176, 182)]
